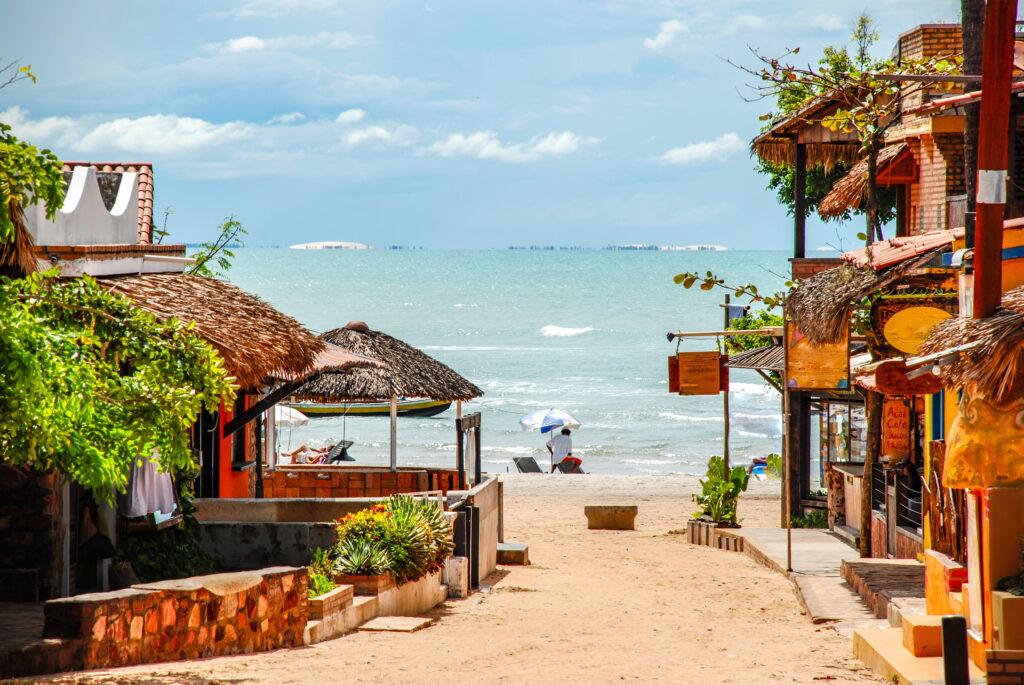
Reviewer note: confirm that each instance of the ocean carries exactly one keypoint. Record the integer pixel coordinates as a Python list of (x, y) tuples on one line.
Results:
[(579, 330)]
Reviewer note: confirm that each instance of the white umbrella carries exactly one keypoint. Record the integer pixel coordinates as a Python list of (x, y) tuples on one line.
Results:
[(548, 419), (286, 416)]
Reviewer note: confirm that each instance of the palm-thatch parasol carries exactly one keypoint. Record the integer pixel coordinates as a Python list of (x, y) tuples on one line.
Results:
[(408, 372)]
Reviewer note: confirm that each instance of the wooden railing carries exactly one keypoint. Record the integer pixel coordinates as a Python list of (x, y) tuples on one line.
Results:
[(946, 509)]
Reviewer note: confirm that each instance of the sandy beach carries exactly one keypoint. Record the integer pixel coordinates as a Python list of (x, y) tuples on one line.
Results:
[(605, 606)]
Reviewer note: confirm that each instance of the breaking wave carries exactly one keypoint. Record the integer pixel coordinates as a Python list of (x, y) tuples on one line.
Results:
[(562, 332)]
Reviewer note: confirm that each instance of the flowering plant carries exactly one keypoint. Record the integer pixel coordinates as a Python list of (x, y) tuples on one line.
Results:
[(405, 536)]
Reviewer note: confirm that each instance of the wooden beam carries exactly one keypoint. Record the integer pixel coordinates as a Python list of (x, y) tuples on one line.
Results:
[(239, 421), (800, 202)]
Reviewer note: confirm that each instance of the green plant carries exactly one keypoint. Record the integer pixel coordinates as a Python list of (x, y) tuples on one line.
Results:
[(405, 536), (720, 492), (362, 556), (217, 250), (773, 465), (813, 518), (321, 573)]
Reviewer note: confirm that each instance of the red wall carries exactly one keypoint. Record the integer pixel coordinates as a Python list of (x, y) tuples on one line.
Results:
[(232, 483)]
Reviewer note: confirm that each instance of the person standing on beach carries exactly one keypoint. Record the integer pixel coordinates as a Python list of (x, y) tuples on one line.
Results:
[(560, 449)]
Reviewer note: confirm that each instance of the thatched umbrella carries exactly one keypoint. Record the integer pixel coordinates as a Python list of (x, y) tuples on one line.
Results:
[(408, 372)]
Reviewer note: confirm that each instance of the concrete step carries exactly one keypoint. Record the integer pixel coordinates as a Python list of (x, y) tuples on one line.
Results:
[(397, 624), (881, 650), (922, 634)]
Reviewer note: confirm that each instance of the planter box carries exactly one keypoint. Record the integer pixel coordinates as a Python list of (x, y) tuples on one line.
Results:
[(331, 603), (709, 534), (365, 585)]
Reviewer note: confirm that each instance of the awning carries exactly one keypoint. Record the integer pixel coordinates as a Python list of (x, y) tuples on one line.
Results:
[(768, 358), (895, 165)]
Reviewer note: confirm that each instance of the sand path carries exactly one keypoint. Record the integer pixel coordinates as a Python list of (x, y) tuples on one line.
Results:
[(595, 606)]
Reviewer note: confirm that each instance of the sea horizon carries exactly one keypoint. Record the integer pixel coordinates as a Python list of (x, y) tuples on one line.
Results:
[(584, 331)]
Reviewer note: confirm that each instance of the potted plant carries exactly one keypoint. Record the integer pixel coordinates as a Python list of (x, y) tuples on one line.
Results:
[(720, 493)]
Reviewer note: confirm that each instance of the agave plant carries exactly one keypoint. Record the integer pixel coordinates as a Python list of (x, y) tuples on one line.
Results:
[(360, 555)]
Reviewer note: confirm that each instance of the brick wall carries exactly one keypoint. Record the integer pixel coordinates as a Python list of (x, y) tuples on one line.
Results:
[(924, 42), (940, 162), (334, 481), (31, 534), (229, 613), (1005, 667)]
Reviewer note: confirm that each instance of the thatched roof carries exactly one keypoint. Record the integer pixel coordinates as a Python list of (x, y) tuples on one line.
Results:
[(995, 368), (819, 306), (776, 145), (408, 372), (256, 341), (848, 192)]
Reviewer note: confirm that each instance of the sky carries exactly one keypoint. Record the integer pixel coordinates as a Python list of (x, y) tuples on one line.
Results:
[(429, 123)]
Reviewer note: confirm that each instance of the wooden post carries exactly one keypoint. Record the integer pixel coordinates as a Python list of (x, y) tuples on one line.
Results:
[(800, 201), (873, 414), (458, 409), (786, 447), (996, 72), (725, 404), (460, 454), (394, 432)]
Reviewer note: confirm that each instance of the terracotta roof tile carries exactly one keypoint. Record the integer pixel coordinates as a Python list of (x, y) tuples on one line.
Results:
[(895, 250)]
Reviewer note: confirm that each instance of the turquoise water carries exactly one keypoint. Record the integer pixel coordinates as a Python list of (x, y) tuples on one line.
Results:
[(582, 331)]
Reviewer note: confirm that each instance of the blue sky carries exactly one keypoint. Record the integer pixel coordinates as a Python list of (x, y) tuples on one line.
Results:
[(474, 124)]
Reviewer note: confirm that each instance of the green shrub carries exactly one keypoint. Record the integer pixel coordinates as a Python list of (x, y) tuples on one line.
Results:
[(813, 518), (773, 467), (362, 556), (720, 492), (321, 573)]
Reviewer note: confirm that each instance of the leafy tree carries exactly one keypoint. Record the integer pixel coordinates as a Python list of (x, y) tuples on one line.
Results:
[(92, 382), (867, 99), (790, 97)]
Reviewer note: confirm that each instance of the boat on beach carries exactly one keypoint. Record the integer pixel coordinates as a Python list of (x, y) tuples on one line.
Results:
[(410, 407)]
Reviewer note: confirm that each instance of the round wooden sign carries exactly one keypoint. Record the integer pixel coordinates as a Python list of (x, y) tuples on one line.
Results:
[(906, 329)]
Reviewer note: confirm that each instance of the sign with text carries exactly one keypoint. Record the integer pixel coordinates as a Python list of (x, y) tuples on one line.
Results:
[(816, 367), (699, 373), (895, 429)]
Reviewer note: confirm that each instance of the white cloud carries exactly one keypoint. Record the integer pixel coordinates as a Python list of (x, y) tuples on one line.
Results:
[(693, 153), (157, 133), (324, 39), (275, 8), (290, 118), (486, 145), (670, 30), (400, 135), (161, 133), (350, 116)]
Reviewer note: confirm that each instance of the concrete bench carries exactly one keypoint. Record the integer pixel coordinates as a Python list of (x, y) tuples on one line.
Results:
[(513, 554), (610, 517)]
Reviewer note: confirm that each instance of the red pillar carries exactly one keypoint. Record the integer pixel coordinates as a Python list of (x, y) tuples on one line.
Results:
[(996, 74)]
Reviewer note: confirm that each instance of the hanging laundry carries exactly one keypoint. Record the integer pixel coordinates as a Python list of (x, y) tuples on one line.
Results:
[(149, 489)]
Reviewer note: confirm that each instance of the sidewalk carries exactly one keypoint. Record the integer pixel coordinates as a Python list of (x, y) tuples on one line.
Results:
[(817, 556)]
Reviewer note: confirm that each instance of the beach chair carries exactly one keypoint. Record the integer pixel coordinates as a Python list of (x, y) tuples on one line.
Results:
[(527, 465), (569, 467), (340, 452)]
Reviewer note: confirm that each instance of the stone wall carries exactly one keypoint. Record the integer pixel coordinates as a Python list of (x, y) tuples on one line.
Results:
[(32, 534), (189, 618), (346, 481)]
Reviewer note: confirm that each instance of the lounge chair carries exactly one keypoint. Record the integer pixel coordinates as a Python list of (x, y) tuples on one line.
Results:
[(527, 465), (340, 452), (569, 467)]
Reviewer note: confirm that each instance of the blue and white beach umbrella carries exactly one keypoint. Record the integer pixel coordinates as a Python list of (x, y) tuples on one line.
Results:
[(548, 419)]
